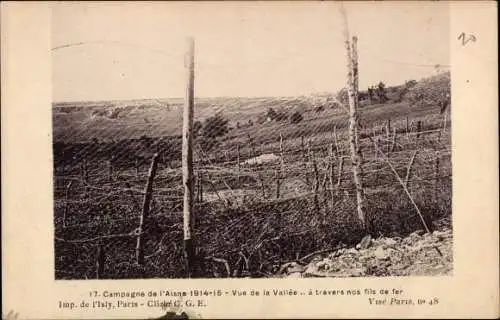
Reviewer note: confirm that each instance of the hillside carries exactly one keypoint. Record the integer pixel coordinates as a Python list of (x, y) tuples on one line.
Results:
[(106, 120), (153, 118)]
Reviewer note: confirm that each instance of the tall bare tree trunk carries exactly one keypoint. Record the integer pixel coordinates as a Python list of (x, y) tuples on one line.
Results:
[(187, 160), (352, 89)]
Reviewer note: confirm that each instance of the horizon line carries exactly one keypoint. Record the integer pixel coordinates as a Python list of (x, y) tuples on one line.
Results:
[(235, 96)]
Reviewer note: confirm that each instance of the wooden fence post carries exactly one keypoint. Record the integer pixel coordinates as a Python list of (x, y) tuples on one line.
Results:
[(375, 148), (339, 173), (388, 129), (281, 173), (282, 156), (436, 177), (419, 128), (309, 152), (352, 89), (100, 260), (443, 129), (252, 146), (407, 127), (374, 136), (445, 120), (148, 194), (263, 187), (66, 206), (304, 158), (278, 183), (187, 161), (86, 170), (393, 142), (302, 146), (196, 182), (337, 147), (325, 177), (331, 176), (316, 184), (195, 187), (200, 186), (310, 158), (110, 170), (137, 168), (238, 164), (254, 156), (85, 175)]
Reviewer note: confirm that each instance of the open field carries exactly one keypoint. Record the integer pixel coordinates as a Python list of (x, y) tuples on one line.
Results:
[(250, 218)]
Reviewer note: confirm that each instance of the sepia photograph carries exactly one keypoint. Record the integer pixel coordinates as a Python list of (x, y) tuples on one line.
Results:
[(249, 159), (319, 146)]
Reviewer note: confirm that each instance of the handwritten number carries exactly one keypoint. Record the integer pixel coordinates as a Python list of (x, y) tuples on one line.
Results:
[(466, 38)]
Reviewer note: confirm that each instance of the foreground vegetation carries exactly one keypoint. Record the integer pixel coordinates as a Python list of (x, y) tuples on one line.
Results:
[(251, 221)]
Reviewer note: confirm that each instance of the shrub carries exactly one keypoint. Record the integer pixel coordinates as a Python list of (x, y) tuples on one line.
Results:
[(261, 118), (319, 109), (215, 126), (271, 113), (381, 92), (197, 126), (433, 91), (296, 117), (363, 95), (371, 93), (410, 83), (275, 115), (343, 96), (280, 116)]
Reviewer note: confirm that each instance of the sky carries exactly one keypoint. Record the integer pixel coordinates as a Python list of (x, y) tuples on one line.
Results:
[(121, 51)]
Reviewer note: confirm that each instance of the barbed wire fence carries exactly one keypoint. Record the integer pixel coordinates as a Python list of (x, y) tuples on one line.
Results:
[(258, 203), (97, 209)]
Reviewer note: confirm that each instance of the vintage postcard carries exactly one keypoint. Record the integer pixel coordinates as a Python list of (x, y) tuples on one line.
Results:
[(216, 160)]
